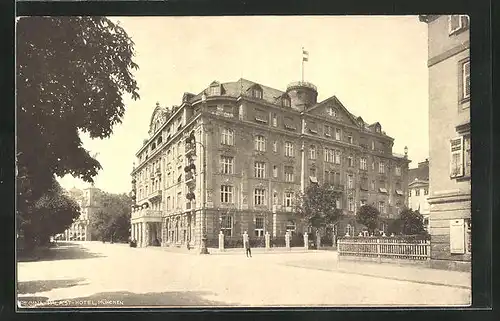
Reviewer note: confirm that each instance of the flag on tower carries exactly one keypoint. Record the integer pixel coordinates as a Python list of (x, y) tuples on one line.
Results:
[(305, 55)]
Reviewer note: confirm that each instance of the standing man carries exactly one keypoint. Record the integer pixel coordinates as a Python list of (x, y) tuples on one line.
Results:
[(246, 244)]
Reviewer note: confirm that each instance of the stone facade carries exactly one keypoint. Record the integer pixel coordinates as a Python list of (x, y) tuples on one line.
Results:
[(449, 145), (418, 191), (80, 229), (233, 158)]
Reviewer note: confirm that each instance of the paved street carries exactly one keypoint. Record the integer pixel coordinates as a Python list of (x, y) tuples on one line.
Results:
[(114, 275)]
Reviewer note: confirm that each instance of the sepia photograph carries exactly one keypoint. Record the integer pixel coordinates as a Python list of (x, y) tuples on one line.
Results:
[(243, 161)]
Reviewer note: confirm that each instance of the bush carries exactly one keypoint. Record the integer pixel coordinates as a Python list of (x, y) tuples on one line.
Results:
[(257, 242), (297, 240), (327, 240), (278, 241), (233, 242), (212, 242)]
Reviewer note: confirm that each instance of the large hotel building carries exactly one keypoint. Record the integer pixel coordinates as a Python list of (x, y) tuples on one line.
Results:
[(233, 157)]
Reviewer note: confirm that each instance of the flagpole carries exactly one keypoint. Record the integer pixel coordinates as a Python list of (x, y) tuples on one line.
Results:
[(302, 64)]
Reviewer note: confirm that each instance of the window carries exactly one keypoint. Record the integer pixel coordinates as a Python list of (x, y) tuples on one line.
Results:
[(349, 139), (338, 204), (275, 146), (466, 80), (285, 102), (312, 172), (169, 200), (457, 23), (373, 165), (337, 134), (289, 123), (275, 171), (226, 225), (291, 227), (257, 93), (381, 207), (381, 168), (350, 161), (372, 185), (456, 162), (364, 183), (260, 143), (227, 137), (467, 155), (329, 155), (288, 199), (362, 163), (288, 173), (350, 181), (417, 191), (426, 191), (179, 200), (226, 194), (349, 230), (215, 91), (260, 169), (227, 164), (398, 170), (328, 131), (275, 120), (337, 157), (259, 198), (362, 202), (288, 149), (259, 226), (373, 145), (312, 152), (350, 204)]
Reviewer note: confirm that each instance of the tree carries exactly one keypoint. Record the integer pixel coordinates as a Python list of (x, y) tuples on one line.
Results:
[(411, 222), (112, 220), (368, 216), (318, 206), (71, 75), (56, 212)]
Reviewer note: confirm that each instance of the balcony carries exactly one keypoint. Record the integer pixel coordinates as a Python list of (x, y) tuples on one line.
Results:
[(144, 212), (155, 195), (190, 149), (189, 178)]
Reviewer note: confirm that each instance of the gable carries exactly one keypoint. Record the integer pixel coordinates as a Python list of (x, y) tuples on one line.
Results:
[(332, 109)]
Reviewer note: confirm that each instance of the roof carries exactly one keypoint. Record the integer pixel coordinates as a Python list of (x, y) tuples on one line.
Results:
[(242, 86), (419, 173)]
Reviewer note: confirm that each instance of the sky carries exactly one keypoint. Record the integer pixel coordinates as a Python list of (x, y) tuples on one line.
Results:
[(375, 65)]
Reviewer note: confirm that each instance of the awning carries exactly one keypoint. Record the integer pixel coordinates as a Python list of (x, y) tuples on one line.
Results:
[(261, 116), (382, 190), (312, 127), (313, 179), (260, 119), (399, 192)]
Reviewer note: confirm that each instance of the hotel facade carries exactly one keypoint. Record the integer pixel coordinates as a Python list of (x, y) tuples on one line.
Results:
[(87, 201), (449, 144), (233, 158)]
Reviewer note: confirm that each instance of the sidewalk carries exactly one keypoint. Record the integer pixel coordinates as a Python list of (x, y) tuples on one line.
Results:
[(390, 271), (231, 251)]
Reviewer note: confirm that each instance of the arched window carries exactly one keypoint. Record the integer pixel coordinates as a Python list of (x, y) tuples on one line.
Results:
[(349, 230)]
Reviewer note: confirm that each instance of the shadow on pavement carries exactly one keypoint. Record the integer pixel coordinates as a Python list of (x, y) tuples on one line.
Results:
[(46, 285), (61, 251), (129, 299)]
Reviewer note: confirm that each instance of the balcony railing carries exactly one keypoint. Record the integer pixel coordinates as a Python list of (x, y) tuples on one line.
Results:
[(189, 177), (140, 212), (155, 194)]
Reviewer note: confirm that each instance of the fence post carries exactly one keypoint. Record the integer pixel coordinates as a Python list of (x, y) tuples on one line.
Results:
[(306, 241), (221, 241), (378, 250), (287, 240), (268, 241)]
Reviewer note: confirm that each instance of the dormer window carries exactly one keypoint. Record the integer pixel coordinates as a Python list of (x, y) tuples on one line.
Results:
[(215, 89), (285, 101), (257, 92)]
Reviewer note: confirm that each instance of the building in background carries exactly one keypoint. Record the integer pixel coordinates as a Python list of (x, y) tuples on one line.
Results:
[(87, 200), (234, 157), (418, 191), (449, 140)]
